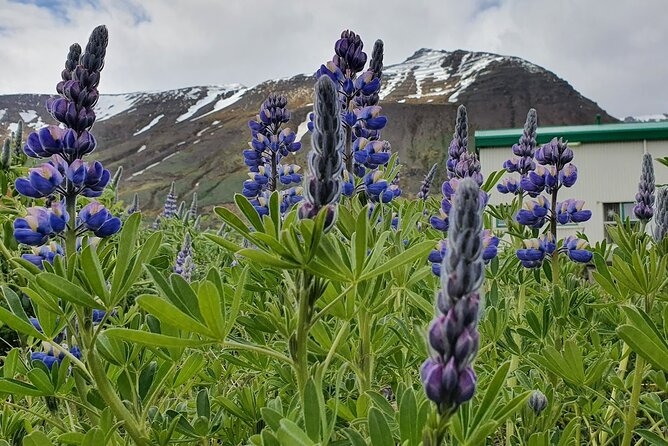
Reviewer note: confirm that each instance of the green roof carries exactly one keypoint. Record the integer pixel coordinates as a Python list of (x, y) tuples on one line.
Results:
[(636, 131)]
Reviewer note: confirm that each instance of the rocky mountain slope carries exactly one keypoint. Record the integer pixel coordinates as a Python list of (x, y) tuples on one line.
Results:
[(195, 135)]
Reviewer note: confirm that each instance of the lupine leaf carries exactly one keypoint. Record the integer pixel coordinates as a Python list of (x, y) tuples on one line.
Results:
[(379, 431), (249, 212), (170, 314), (153, 339), (289, 434), (126, 247), (410, 255), (90, 264), (66, 290)]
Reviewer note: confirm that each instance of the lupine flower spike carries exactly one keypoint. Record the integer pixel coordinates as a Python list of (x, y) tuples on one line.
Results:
[(184, 265), (643, 209), (426, 183), (448, 376), (661, 217), (169, 210), (322, 187), (134, 207)]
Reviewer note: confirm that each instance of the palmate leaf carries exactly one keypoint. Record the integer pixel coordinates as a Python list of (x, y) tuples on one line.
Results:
[(153, 339), (644, 338)]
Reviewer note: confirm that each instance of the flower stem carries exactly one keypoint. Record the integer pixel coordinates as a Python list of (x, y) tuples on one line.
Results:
[(514, 361), (434, 431), (299, 346), (365, 350), (635, 398)]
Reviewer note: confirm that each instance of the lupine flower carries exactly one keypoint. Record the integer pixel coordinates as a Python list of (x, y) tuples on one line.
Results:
[(643, 209), (42, 181), (99, 315), (377, 187), (448, 376), (537, 402), (459, 143), (44, 253), (490, 244), (134, 206), (96, 218), (576, 249), (348, 187), (555, 153), (661, 216), (156, 223), (35, 228), (523, 162), (534, 212), (436, 257), (169, 210), (184, 265), (371, 153), (35, 323), (426, 183), (323, 185), (535, 250), (509, 185), (538, 180), (570, 211), (49, 358)]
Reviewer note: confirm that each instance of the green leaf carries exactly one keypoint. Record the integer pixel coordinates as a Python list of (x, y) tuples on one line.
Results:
[(189, 368), (126, 247), (66, 290), (360, 240), (153, 339), (171, 315), (408, 256), (203, 406), (652, 438), (211, 309), (265, 258), (37, 438), (15, 387), (90, 264), (379, 431), (19, 320), (249, 212), (289, 434), (226, 244), (492, 391), (641, 343), (41, 381), (231, 219), (271, 417), (94, 437), (312, 410), (408, 415), (354, 437)]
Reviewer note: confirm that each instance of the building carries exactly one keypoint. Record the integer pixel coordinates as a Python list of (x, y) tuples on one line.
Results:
[(608, 158)]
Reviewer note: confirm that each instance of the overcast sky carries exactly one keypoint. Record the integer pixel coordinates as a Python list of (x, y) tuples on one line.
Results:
[(612, 51)]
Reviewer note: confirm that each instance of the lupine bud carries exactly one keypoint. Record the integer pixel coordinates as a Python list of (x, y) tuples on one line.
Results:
[(661, 216), (6, 155), (115, 181), (537, 402), (376, 64), (643, 209), (170, 202), (18, 139), (426, 183), (134, 207), (323, 185), (181, 211), (459, 143)]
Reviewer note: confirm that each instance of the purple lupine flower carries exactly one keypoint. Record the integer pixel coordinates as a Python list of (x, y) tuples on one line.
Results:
[(97, 219), (509, 185), (423, 194), (322, 187), (538, 180), (42, 181), (555, 153), (576, 249), (184, 265), (643, 208), (169, 209), (459, 143), (535, 250), (534, 212), (448, 376), (35, 228), (661, 215), (523, 162)]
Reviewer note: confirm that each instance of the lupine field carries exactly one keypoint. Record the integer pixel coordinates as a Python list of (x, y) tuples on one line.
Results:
[(324, 307)]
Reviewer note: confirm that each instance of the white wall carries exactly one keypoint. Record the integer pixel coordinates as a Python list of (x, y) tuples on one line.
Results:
[(607, 173)]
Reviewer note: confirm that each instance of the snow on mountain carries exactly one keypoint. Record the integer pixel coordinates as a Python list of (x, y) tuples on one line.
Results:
[(656, 117), (149, 125), (213, 93)]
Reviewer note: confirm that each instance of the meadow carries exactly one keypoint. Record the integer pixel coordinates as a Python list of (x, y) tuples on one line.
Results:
[(325, 307)]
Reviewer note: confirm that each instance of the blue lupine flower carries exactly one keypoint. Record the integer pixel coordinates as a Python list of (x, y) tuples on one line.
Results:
[(377, 187), (291, 197), (349, 55), (643, 208), (96, 218), (50, 140), (371, 153), (41, 182), (96, 180), (44, 253), (459, 143), (576, 249), (490, 244), (49, 359), (534, 212), (509, 185), (538, 180), (535, 250), (436, 257), (35, 228), (570, 211), (184, 265), (348, 186), (568, 175)]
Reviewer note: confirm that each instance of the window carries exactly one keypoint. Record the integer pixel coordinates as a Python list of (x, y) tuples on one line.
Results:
[(612, 211)]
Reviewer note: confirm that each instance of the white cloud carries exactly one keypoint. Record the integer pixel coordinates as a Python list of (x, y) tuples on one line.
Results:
[(608, 50)]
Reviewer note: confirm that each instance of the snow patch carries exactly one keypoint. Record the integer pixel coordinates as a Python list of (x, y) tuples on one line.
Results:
[(212, 93), (223, 103), (3, 112), (201, 132), (28, 116), (213, 123), (37, 124), (110, 105), (655, 117), (150, 166), (196, 142), (181, 143), (149, 125), (142, 148), (169, 156), (302, 129)]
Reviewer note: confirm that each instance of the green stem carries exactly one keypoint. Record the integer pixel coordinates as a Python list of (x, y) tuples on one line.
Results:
[(635, 399), (433, 433), (622, 372), (115, 404), (514, 361), (299, 350), (365, 350)]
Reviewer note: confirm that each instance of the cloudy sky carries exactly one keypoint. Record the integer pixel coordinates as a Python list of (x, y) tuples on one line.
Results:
[(612, 51)]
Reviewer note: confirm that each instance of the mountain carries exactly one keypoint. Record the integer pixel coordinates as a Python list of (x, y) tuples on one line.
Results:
[(195, 135), (658, 117)]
